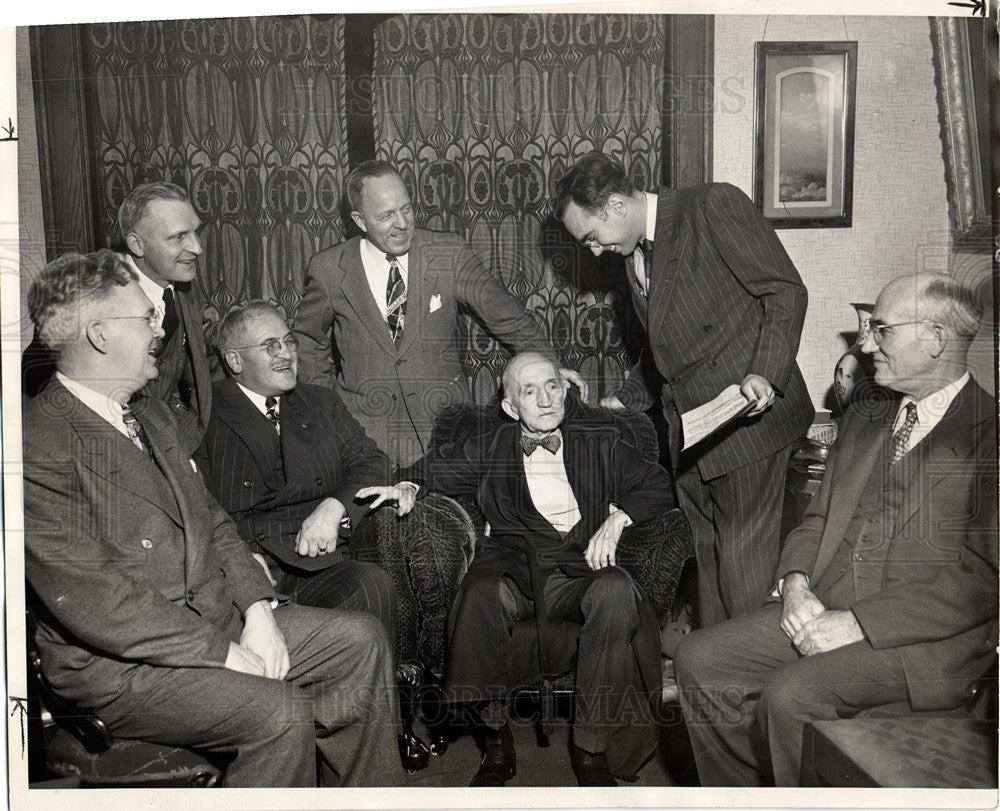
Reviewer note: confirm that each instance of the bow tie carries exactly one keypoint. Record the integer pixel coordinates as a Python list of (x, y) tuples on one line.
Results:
[(550, 443)]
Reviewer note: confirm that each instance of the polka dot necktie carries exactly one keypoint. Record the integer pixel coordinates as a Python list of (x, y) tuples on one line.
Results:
[(395, 299), (901, 439)]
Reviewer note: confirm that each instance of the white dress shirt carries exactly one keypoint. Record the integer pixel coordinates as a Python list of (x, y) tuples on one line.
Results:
[(930, 410), (102, 405), (260, 401), (639, 259), (152, 290), (550, 489), (377, 272)]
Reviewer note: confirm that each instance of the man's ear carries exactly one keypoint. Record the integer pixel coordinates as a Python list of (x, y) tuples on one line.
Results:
[(939, 341), (233, 361), (359, 220), (97, 337), (134, 244), (509, 408), (617, 205)]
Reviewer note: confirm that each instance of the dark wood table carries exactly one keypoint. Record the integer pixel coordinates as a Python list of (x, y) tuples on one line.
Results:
[(907, 752)]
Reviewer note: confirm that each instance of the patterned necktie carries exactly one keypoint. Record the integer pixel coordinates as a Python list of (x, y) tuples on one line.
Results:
[(395, 299), (901, 439), (271, 404), (529, 444), (135, 430), (170, 318)]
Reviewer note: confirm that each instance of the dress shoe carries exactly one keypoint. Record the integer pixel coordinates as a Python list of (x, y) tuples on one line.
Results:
[(591, 770), (499, 763)]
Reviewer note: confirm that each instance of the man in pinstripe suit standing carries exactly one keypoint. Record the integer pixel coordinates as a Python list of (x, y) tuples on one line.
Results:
[(721, 303)]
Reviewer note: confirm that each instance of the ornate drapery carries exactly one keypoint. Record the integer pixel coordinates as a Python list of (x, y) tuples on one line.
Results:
[(481, 114), (248, 115)]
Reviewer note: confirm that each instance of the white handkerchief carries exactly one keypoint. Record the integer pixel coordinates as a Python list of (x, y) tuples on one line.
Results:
[(194, 467), (435, 303)]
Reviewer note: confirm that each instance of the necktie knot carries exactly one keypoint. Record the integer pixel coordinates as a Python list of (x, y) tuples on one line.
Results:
[(134, 428), (271, 404), (171, 320), (901, 439), (530, 444), (647, 249)]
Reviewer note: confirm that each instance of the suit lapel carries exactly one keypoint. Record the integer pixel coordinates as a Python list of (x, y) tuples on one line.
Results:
[(191, 320), (235, 409), (298, 438), (110, 455), (359, 296), (855, 468), (517, 485), (666, 249), (950, 441)]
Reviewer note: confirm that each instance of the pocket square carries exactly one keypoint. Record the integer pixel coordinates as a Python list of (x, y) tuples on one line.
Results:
[(194, 466), (435, 303)]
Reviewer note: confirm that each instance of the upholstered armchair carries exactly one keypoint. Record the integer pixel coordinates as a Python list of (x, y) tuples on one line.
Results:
[(428, 551)]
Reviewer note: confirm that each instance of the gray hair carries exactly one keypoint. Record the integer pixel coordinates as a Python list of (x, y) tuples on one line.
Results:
[(68, 289), (133, 208)]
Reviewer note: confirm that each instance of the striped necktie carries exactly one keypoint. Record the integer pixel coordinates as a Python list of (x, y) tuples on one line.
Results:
[(395, 299), (271, 404), (901, 439)]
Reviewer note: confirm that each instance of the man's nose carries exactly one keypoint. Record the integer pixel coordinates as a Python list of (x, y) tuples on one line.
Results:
[(544, 399), (870, 346), (194, 245)]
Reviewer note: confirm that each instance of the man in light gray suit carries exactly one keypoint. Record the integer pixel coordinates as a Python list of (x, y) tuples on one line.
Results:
[(390, 299)]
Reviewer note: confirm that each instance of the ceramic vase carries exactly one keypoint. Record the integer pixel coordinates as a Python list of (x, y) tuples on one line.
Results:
[(854, 365)]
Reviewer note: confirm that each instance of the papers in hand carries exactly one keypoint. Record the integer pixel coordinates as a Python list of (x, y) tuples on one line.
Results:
[(699, 422)]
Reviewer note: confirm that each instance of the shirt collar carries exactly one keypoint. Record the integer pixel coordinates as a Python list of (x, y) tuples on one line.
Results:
[(105, 407), (152, 290), (259, 400), (372, 254), (933, 407), (651, 200)]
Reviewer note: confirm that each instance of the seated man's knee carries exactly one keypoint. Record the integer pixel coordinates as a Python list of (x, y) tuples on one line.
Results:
[(613, 587), (790, 691), (695, 657)]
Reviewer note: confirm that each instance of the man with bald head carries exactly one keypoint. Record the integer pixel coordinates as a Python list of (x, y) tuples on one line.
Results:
[(887, 591), (556, 497)]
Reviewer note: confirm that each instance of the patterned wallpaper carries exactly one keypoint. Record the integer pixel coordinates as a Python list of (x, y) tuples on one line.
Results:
[(248, 115), (481, 114)]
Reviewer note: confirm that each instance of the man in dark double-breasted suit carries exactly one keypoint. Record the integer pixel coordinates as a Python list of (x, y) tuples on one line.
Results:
[(556, 498), (285, 461), (378, 320), (721, 304), (887, 591), (151, 612)]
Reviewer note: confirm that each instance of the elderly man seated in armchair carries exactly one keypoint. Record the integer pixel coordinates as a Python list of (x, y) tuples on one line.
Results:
[(556, 497), (887, 591)]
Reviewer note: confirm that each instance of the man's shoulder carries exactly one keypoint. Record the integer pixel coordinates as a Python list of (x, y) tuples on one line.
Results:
[(330, 257)]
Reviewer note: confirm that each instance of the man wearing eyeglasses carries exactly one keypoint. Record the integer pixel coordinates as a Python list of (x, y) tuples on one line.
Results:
[(151, 612), (285, 460), (887, 591)]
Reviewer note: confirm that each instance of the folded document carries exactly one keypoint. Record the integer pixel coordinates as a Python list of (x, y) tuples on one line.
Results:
[(699, 422)]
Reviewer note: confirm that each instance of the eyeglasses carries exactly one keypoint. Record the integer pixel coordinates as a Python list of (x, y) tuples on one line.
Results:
[(273, 346), (878, 330), (152, 319)]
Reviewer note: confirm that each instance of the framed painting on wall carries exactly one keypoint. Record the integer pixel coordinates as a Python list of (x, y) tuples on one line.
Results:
[(804, 131)]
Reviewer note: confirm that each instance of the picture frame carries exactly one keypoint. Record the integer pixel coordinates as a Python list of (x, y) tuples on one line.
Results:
[(804, 133)]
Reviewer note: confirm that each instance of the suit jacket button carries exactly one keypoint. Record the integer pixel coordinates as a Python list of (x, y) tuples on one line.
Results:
[(707, 327), (711, 364), (394, 398), (857, 556), (319, 481), (146, 543), (190, 595), (248, 484), (260, 537)]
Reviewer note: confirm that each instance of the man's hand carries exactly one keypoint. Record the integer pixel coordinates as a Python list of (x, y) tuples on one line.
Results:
[(574, 377), (759, 390), (262, 637), (404, 495), (318, 533), (612, 402), (798, 604), (244, 661), (828, 631), (600, 552)]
